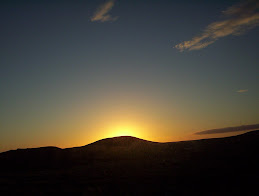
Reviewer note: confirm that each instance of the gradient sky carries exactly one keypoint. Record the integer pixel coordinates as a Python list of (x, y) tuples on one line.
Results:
[(73, 72)]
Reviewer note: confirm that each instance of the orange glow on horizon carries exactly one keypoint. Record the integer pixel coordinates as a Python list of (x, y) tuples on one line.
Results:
[(124, 130)]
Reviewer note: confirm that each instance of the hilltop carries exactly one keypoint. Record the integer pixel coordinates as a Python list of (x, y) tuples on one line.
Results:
[(132, 166)]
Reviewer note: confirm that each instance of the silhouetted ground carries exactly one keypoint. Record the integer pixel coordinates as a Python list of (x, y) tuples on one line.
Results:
[(131, 166)]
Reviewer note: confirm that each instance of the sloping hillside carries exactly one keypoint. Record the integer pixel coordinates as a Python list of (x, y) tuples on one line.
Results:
[(132, 166)]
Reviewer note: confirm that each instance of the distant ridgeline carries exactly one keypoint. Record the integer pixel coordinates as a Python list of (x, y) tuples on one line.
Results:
[(126, 147), (231, 163)]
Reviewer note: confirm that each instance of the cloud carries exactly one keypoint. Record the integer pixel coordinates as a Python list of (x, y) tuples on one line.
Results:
[(239, 19), (242, 90), (229, 129), (101, 14)]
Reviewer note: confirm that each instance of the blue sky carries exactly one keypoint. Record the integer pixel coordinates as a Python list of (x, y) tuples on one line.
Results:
[(71, 75)]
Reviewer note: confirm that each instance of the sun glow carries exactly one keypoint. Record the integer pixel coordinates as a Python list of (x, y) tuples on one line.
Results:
[(124, 130)]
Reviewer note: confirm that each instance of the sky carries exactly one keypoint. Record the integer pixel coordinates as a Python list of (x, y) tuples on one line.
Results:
[(73, 72)]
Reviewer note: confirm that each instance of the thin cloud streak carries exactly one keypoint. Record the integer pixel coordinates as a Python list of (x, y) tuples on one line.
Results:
[(239, 19), (229, 129), (101, 14), (242, 91)]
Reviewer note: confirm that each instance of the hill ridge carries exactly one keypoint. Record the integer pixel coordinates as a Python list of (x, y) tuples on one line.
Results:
[(132, 139)]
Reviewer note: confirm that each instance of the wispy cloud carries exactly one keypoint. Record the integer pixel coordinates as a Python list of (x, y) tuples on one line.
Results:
[(229, 129), (242, 90), (238, 19), (101, 13)]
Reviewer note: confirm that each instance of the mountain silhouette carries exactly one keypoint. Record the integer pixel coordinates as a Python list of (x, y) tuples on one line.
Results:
[(131, 166)]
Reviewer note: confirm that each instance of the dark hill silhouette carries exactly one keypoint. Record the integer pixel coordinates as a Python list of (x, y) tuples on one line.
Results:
[(120, 141), (132, 166), (124, 147)]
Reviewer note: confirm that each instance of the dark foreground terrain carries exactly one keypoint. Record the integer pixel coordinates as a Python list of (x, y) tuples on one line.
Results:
[(131, 166)]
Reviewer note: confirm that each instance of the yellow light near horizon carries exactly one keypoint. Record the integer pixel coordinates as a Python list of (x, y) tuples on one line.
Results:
[(123, 130)]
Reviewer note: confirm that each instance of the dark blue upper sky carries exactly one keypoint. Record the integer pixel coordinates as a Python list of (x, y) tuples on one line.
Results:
[(61, 72)]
